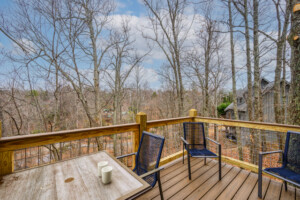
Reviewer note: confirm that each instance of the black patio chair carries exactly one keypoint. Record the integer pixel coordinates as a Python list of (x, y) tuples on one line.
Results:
[(194, 142), (290, 169), (147, 159)]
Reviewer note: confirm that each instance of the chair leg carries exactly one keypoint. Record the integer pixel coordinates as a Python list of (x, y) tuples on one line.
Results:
[(189, 165), (183, 154), (285, 185), (159, 185), (220, 167), (204, 161), (260, 176)]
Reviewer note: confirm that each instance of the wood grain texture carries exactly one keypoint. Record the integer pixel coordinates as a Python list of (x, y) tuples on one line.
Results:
[(234, 185), (141, 119), (19, 142), (241, 164), (183, 182), (204, 181), (248, 124), (6, 159), (265, 185), (211, 182), (220, 186), (289, 194), (6, 162), (171, 177), (246, 188), (207, 183), (72, 179), (273, 190), (297, 194), (196, 183)]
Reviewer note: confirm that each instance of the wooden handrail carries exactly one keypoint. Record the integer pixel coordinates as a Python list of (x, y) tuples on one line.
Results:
[(9, 144), (25, 141), (165, 122), (249, 124)]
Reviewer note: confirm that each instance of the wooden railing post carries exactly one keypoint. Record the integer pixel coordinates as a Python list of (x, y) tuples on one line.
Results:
[(193, 113), (141, 118), (6, 159)]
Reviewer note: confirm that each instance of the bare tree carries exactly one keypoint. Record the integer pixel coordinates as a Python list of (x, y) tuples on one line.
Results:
[(233, 76), (123, 59), (242, 7), (169, 30), (280, 42)]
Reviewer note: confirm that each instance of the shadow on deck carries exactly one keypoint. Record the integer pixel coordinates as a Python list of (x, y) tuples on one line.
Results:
[(236, 183)]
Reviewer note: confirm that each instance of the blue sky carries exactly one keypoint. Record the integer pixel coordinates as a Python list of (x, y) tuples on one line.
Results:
[(124, 7), (153, 62)]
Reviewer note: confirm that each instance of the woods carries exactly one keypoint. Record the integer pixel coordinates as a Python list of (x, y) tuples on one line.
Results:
[(84, 63)]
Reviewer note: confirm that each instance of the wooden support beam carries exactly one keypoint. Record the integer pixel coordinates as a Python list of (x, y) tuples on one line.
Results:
[(171, 157), (247, 124), (6, 159), (141, 119), (33, 140), (166, 122)]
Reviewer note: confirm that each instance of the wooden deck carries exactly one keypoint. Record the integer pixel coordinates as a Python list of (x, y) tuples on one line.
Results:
[(236, 183)]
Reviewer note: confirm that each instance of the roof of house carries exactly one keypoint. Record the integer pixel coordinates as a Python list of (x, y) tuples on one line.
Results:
[(242, 107), (241, 92)]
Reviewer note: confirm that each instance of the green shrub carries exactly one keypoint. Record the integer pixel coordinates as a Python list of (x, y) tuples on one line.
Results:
[(221, 108)]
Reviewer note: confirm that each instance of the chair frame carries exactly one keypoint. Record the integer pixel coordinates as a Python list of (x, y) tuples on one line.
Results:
[(260, 170), (186, 146), (156, 170)]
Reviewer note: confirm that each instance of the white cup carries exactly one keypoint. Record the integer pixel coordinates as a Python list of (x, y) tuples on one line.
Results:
[(106, 174), (100, 166)]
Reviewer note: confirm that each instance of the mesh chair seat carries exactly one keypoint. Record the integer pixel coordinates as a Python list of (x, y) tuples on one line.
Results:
[(290, 169), (285, 173), (194, 141), (201, 152)]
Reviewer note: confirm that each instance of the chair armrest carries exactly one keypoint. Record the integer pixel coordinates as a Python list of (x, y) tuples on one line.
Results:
[(213, 141), (123, 156), (151, 172), (260, 160), (270, 152), (184, 141)]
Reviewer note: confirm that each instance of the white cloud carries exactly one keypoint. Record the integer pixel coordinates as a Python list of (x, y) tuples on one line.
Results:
[(28, 45)]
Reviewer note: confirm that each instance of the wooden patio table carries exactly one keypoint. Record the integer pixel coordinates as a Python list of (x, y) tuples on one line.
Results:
[(72, 179)]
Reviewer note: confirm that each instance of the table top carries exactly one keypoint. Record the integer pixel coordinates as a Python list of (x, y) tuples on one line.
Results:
[(72, 179)]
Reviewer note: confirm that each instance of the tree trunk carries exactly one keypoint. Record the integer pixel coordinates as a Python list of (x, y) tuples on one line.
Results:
[(279, 115), (294, 41), (257, 89), (235, 110)]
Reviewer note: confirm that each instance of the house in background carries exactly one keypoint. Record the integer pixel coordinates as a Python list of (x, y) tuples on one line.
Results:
[(267, 88)]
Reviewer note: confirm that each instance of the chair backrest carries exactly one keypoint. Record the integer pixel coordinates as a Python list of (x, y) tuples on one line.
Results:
[(194, 134), (291, 156), (148, 155)]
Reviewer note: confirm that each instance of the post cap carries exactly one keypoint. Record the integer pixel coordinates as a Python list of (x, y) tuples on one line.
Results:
[(193, 113), (141, 113), (296, 8)]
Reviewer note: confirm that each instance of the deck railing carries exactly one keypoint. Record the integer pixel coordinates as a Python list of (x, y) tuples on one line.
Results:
[(256, 136)]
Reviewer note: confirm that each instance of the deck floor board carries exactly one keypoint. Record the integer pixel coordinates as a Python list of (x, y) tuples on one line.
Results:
[(236, 183)]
